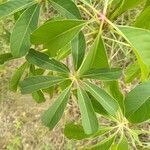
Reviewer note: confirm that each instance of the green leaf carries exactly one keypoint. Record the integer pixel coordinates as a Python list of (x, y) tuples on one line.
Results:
[(143, 20), (114, 89), (104, 145), (25, 25), (109, 104), (137, 103), (12, 6), (89, 120), (52, 33), (64, 52), (17, 76), (139, 39), (123, 145), (123, 6), (103, 74), (98, 108), (43, 61), (66, 8), (18, 14), (96, 57), (38, 96), (36, 83), (52, 116), (5, 57), (78, 50), (147, 4), (75, 131), (132, 72), (63, 85)]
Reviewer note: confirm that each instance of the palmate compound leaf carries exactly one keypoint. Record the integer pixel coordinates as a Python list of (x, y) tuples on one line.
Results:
[(137, 103), (25, 25), (12, 6), (35, 83), (97, 58), (139, 39), (105, 74), (52, 116), (55, 34), (43, 61), (89, 119), (108, 103)]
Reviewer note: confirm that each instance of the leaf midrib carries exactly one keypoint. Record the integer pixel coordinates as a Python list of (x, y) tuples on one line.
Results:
[(132, 112), (96, 74), (33, 85), (85, 109), (69, 30), (16, 10), (63, 8)]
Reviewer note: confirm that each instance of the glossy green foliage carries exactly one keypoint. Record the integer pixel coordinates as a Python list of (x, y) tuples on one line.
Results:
[(109, 104), (17, 76), (12, 6), (52, 34), (132, 72), (103, 74), (51, 117), (36, 83), (125, 5), (96, 58), (78, 50), (5, 57), (75, 131), (104, 145), (43, 61), (137, 103), (143, 20), (89, 120), (123, 144), (25, 25), (67, 8), (139, 39), (38, 96), (81, 53)]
